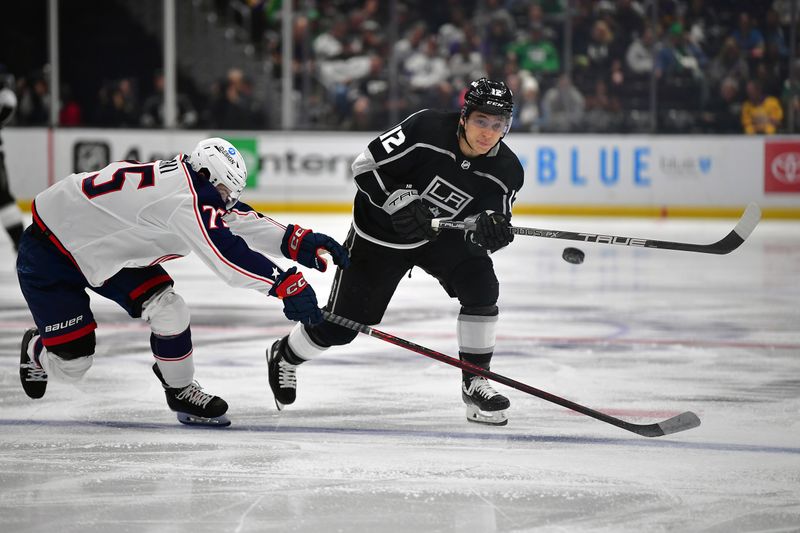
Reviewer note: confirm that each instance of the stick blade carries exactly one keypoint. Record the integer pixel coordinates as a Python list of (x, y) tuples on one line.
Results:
[(681, 422), (749, 221)]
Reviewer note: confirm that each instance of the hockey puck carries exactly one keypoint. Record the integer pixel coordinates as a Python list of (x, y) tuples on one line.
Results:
[(573, 255)]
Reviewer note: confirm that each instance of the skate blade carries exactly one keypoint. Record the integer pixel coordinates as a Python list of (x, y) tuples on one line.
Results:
[(279, 405), (492, 418), (192, 420)]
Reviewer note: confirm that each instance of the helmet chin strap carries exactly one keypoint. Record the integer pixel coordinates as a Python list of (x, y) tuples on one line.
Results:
[(461, 133)]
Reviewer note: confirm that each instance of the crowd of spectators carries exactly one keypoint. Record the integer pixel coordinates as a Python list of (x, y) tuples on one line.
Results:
[(716, 66), (118, 104)]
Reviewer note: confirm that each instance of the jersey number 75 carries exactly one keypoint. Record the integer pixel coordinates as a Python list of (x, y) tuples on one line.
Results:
[(92, 189)]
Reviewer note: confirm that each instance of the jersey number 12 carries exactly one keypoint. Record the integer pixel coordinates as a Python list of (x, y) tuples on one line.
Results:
[(392, 138)]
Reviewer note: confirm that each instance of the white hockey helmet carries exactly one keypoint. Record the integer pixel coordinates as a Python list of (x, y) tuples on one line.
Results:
[(224, 165)]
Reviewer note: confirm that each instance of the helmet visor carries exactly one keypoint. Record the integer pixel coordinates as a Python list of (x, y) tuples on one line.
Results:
[(495, 123)]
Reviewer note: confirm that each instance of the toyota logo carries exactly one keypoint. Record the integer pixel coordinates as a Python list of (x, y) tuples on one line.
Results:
[(786, 167)]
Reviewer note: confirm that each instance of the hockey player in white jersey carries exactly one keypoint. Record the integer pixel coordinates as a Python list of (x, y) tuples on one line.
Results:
[(110, 230)]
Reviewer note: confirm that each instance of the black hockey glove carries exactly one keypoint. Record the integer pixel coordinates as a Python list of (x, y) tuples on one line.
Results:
[(492, 230), (306, 247), (299, 299), (413, 222), (410, 218)]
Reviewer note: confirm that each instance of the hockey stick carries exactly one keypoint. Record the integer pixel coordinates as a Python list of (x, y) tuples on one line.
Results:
[(681, 422), (742, 230)]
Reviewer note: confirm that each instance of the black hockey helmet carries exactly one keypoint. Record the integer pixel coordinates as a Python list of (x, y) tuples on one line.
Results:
[(490, 97)]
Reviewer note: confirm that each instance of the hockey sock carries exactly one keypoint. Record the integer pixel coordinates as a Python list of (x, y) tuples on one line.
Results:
[(481, 360)]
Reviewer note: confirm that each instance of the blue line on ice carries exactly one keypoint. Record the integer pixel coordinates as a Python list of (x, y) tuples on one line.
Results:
[(548, 439)]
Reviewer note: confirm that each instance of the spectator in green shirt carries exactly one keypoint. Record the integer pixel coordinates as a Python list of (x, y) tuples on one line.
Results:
[(535, 54)]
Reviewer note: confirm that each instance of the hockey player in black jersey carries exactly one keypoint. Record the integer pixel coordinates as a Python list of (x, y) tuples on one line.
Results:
[(431, 165)]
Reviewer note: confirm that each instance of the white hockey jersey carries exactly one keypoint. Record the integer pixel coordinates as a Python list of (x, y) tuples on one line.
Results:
[(132, 214)]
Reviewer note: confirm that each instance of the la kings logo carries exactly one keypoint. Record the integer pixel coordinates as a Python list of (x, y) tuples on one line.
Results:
[(447, 199)]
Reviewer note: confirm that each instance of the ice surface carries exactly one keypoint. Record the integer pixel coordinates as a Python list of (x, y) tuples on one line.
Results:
[(377, 440)]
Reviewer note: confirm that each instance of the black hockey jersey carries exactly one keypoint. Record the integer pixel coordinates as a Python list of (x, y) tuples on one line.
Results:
[(422, 153)]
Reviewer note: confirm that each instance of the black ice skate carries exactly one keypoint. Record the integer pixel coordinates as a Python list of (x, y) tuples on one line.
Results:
[(484, 404), (31, 375), (193, 406), (282, 374)]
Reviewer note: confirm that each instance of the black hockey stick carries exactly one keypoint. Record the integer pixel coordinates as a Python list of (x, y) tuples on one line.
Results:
[(681, 422), (726, 245)]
